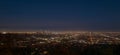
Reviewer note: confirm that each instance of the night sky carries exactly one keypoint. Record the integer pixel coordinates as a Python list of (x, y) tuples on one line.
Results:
[(82, 15)]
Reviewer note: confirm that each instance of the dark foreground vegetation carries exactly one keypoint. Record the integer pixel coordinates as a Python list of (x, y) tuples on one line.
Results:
[(63, 49)]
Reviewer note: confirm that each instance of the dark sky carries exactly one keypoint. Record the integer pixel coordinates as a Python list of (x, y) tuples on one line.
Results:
[(85, 15)]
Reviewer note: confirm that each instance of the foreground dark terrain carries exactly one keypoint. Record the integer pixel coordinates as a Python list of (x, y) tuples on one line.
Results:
[(63, 50), (59, 44)]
